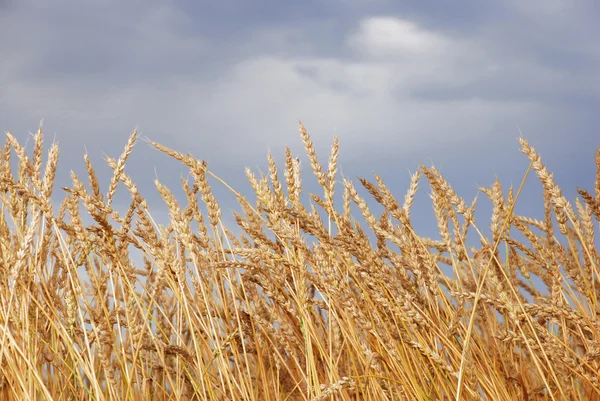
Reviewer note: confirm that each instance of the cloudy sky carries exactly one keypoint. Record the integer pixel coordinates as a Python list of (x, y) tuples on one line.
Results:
[(400, 83)]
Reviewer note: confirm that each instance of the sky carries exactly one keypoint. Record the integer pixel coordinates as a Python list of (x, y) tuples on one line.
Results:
[(400, 83)]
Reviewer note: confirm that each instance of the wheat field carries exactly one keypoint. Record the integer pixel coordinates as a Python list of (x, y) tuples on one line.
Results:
[(309, 297)]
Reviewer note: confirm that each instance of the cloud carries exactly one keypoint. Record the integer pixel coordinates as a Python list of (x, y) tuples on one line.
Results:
[(389, 36), (204, 79), (369, 97)]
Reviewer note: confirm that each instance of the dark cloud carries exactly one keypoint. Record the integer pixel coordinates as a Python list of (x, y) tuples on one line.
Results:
[(400, 82), (515, 86)]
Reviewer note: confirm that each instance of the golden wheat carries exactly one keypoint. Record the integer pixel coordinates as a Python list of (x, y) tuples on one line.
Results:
[(303, 300)]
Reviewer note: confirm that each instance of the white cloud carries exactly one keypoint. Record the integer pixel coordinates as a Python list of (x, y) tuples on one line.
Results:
[(366, 99), (359, 101), (389, 36)]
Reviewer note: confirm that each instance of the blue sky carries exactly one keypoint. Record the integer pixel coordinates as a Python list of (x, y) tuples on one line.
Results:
[(400, 83)]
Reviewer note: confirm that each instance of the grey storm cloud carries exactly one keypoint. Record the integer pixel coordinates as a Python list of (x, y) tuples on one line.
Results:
[(400, 83)]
